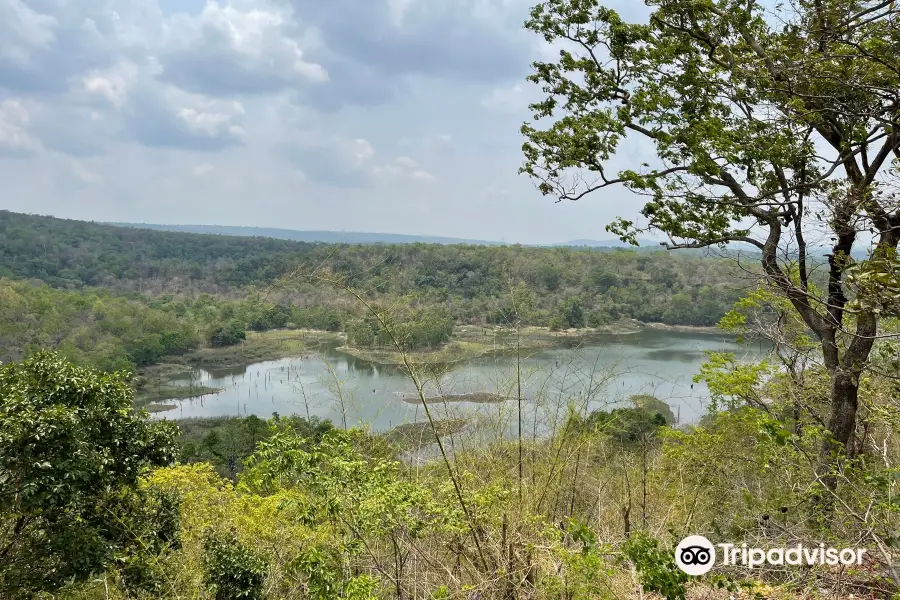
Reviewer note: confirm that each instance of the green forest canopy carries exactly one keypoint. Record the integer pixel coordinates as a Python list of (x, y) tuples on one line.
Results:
[(76, 254), (117, 297)]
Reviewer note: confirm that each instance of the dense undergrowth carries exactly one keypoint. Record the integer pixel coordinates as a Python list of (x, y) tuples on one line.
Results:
[(592, 511)]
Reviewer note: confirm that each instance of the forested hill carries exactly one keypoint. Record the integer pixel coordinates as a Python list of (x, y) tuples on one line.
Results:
[(367, 237), (329, 237), (472, 282), (68, 253)]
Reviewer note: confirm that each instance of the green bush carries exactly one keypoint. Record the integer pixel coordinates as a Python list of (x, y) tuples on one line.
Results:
[(654, 405), (656, 566), (574, 315), (627, 425), (71, 453), (227, 335), (416, 329), (556, 324), (232, 571), (149, 522)]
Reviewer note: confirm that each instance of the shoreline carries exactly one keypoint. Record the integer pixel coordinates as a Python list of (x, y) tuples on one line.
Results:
[(474, 397), (152, 398), (468, 342), (259, 346), (704, 329)]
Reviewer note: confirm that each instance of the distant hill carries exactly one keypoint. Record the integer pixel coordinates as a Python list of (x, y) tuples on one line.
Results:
[(607, 244), (364, 237), (470, 281), (328, 237)]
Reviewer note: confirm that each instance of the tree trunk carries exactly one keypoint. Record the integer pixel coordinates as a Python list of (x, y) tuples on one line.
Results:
[(844, 396), (841, 424)]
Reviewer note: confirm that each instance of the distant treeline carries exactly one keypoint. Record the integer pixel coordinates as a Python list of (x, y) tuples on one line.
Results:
[(186, 283), (111, 331)]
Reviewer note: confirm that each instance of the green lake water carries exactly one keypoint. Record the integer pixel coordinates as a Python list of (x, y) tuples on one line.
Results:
[(340, 387)]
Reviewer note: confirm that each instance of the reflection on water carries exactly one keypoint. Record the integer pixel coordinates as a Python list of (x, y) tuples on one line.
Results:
[(338, 386), (683, 356)]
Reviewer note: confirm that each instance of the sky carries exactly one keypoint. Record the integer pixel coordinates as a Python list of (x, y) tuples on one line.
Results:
[(392, 116)]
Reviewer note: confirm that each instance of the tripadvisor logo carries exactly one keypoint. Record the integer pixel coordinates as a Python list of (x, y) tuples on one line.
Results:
[(696, 555)]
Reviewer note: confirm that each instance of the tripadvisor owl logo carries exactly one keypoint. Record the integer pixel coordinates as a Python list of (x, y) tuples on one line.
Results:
[(695, 555)]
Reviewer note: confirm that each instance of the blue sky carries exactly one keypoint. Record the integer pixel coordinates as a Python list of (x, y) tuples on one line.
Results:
[(378, 115)]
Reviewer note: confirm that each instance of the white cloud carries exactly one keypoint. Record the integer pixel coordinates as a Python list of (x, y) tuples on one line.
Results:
[(352, 163), (15, 138), (359, 149), (44, 44), (211, 120), (230, 48), (493, 190), (113, 84), (430, 142), (402, 168), (331, 160), (397, 10), (202, 170), (84, 174), (406, 162), (165, 116), (506, 100), (23, 32)]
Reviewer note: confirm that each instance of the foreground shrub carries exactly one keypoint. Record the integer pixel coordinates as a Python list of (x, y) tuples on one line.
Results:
[(231, 570), (71, 453)]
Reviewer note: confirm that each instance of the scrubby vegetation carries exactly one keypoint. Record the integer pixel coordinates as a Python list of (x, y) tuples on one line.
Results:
[(413, 329), (742, 102), (288, 509), (226, 442), (96, 328), (101, 328)]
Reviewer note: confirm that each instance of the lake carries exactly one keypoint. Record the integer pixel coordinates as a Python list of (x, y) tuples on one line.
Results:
[(342, 388)]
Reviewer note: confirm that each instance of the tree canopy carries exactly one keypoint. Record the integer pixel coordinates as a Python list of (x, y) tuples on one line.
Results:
[(774, 126), (71, 452)]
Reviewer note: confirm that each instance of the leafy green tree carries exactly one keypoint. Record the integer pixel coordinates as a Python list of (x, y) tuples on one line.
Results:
[(602, 280), (227, 335), (768, 122), (421, 328), (362, 333), (575, 316), (365, 490), (550, 276), (556, 324), (228, 445), (71, 451), (146, 525), (656, 566), (599, 317)]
